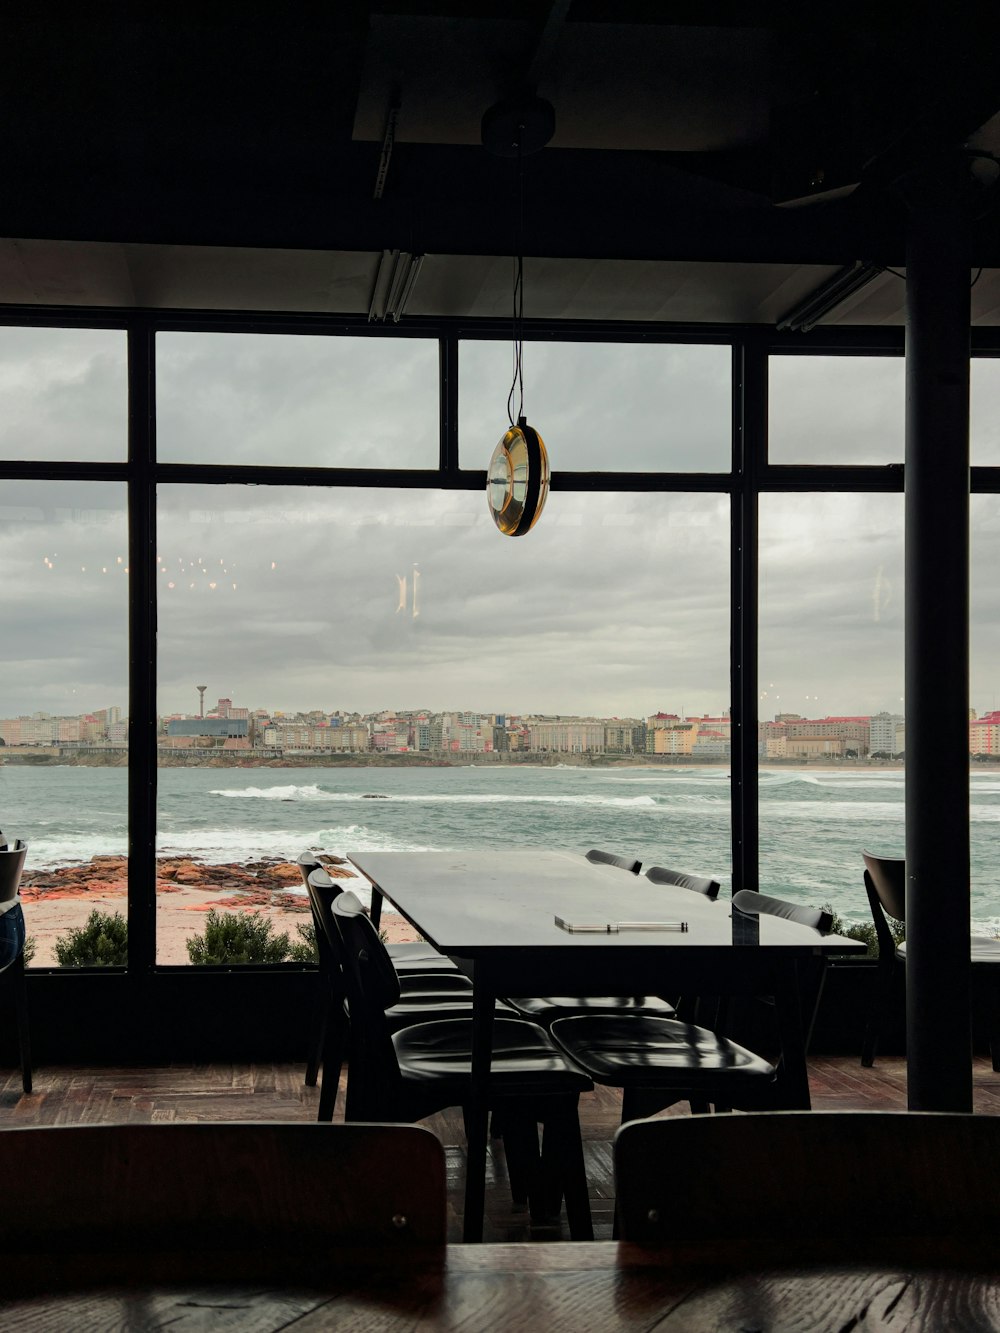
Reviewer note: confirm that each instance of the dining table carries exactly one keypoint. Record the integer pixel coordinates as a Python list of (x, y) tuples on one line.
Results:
[(537, 922), (561, 1287)]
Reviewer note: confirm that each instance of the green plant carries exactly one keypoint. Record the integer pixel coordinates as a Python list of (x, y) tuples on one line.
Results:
[(305, 950), (101, 942), (30, 946), (865, 930), (237, 937)]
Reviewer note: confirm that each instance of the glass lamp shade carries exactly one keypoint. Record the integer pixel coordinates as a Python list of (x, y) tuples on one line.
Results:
[(517, 484)]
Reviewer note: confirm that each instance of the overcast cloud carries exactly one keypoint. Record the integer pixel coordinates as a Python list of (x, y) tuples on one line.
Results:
[(614, 605)]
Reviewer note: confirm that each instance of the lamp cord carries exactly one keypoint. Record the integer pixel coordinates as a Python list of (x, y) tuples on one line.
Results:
[(517, 382)]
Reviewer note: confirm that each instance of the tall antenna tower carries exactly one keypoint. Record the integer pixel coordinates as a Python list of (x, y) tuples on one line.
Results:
[(201, 699)]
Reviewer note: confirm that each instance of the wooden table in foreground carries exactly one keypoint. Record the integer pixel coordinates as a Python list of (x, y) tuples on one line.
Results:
[(494, 913), (555, 1287)]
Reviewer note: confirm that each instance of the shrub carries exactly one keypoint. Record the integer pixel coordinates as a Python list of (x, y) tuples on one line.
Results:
[(236, 937), (304, 951), (30, 945), (102, 942), (865, 931)]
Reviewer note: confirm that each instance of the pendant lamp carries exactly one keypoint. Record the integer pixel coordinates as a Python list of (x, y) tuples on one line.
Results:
[(517, 483)]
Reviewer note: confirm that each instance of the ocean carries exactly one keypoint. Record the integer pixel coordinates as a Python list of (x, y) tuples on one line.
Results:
[(813, 824)]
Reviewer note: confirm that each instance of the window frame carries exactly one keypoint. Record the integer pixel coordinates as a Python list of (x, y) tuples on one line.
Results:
[(751, 474)]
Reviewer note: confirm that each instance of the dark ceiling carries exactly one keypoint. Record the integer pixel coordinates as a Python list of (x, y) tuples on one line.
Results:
[(700, 134)]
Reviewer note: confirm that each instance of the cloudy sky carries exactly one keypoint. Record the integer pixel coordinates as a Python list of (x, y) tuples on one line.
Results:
[(362, 600)]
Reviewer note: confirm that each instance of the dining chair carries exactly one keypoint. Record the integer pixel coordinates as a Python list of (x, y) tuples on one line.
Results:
[(422, 998), (12, 975), (660, 1061), (407, 955), (407, 958), (418, 1071), (885, 885), (823, 1186), (216, 1202), (752, 904), (696, 883)]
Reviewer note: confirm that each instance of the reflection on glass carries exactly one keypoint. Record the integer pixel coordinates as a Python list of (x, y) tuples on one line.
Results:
[(63, 395), (297, 400), (984, 705), (609, 407), (380, 675), (984, 412), (835, 409), (832, 721), (63, 701)]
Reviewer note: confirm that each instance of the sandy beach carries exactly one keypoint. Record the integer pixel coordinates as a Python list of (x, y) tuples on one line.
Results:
[(56, 902)]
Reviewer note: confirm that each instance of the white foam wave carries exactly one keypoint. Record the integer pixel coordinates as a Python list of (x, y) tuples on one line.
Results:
[(312, 792)]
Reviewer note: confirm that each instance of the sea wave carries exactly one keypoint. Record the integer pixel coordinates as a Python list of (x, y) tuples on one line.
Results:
[(315, 792), (312, 792)]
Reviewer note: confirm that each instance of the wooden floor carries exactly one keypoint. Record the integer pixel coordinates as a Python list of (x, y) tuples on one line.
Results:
[(72, 1096)]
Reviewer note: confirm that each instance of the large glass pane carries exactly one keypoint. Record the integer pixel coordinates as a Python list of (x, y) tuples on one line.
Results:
[(63, 395), (381, 669), (831, 684), (63, 702), (609, 407), (984, 703), (984, 412), (297, 400), (836, 409)]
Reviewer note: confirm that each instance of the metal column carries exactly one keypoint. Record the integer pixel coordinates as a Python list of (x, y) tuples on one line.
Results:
[(938, 1026)]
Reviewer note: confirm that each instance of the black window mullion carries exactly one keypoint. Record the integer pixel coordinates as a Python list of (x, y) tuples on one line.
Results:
[(142, 652), (749, 444)]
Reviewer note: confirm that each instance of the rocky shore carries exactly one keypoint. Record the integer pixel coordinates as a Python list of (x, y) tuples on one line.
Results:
[(60, 900)]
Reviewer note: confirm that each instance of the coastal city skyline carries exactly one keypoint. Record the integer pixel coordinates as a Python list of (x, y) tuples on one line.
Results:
[(231, 728)]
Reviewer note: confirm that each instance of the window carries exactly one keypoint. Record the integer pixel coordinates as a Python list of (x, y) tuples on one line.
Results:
[(630, 407), (836, 409), (64, 700), (379, 650), (296, 400), (62, 394)]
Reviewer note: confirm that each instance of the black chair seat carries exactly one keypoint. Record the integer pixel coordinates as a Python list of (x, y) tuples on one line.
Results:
[(436, 1059), (660, 1053), (547, 1008), (430, 1006), (419, 956), (452, 982)]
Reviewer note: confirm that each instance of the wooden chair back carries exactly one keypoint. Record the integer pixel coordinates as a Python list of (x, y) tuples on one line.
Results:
[(214, 1201), (830, 1187)]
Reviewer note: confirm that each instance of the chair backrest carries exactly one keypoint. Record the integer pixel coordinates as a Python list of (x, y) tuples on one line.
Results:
[(610, 859), (11, 866), (887, 876), (828, 1186), (307, 862), (211, 1201), (697, 883), (762, 904), (372, 985), (371, 978), (322, 890)]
